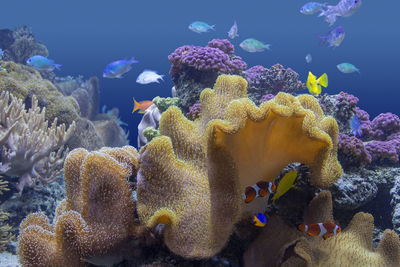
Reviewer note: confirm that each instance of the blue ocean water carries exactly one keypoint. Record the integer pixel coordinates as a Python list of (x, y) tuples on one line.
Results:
[(84, 36)]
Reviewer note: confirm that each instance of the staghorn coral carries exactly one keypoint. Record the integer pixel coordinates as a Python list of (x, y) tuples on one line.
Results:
[(352, 247), (94, 220), (192, 178), (30, 149)]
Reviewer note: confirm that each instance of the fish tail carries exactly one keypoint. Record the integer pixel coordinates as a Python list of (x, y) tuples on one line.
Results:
[(267, 46), (162, 77), (323, 80), (136, 107), (212, 27), (58, 66)]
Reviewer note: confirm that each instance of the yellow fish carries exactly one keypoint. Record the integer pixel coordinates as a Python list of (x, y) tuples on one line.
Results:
[(314, 84), (285, 184)]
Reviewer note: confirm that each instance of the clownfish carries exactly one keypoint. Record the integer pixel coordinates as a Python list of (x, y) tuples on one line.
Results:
[(260, 189), (260, 220), (326, 229)]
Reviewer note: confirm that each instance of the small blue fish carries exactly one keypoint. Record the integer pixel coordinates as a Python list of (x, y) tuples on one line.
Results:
[(355, 125), (260, 220), (334, 37), (312, 7), (233, 32), (347, 68), (42, 63), (1, 53), (117, 68), (199, 27), (345, 8), (308, 58)]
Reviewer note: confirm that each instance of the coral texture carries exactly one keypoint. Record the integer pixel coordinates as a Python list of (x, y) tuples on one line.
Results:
[(195, 68), (352, 152), (351, 247), (194, 112), (24, 82), (30, 149), (193, 176), (271, 81), (94, 219), (163, 103), (5, 235)]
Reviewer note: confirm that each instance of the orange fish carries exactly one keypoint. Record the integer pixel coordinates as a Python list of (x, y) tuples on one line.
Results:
[(260, 189), (326, 229), (142, 105)]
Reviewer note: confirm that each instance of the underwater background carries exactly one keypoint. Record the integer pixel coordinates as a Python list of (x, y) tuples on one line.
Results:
[(84, 36), (299, 178)]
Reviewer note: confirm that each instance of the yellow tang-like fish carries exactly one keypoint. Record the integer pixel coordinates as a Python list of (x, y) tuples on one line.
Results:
[(285, 184), (314, 84)]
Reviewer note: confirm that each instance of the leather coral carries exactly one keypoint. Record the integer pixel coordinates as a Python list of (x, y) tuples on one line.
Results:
[(95, 218), (193, 176)]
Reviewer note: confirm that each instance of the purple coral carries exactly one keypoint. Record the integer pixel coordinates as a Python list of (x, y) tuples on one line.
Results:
[(352, 152), (222, 44), (204, 59), (194, 112), (345, 106), (266, 97), (263, 81), (385, 124), (384, 151)]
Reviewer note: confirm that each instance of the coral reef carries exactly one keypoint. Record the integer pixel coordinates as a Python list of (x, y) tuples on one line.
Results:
[(151, 118), (24, 82), (163, 103), (277, 79), (352, 153), (23, 46), (351, 247), (192, 177), (5, 234), (95, 219), (150, 133), (194, 112), (30, 149), (195, 68)]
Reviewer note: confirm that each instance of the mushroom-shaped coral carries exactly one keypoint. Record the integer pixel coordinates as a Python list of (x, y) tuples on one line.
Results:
[(94, 219), (193, 176), (351, 247)]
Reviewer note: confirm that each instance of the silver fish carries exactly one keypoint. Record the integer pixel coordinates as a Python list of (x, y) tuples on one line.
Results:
[(345, 8), (233, 32)]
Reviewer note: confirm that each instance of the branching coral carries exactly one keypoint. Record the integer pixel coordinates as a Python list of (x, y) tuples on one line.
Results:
[(96, 217), (30, 149), (192, 178), (351, 247)]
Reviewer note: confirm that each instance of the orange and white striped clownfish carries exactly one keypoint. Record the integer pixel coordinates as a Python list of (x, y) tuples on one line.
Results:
[(260, 220), (260, 189), (326, 229)]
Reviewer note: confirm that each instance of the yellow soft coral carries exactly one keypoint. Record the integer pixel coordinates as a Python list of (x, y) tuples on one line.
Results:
[(283, 245), (94, 219), (192, 178)]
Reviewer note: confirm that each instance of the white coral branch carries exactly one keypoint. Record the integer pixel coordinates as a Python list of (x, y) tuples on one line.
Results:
[(28, 143)]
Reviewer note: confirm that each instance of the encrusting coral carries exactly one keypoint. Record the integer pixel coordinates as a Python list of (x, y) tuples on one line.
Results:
[(96, 217), (351, 247), (30, 149), (193, 176)]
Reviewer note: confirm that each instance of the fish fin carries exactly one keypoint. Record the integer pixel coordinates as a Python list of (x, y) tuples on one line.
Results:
[(136, 107), (58, 66), (323, 39), (133, 60), (323, 80), (141, 111), (162, 77)]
